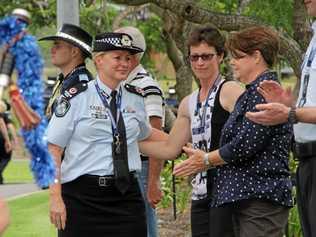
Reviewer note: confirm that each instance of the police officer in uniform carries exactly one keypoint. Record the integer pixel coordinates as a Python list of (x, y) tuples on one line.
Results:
[(96, 192), (154, 104), (71, 46)]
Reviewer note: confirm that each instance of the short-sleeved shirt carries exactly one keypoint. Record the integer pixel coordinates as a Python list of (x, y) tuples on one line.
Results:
[(154, 103), (256, 155), (306, 132), (79, 74), (86, 132)]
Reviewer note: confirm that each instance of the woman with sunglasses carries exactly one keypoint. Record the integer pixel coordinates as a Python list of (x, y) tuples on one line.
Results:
[(201, 116), (252, 161)]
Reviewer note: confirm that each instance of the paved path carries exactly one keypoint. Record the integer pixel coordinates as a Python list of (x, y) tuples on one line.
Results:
[(11, 191)]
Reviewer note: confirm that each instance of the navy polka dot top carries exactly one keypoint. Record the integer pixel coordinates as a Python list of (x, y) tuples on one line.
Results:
[(256, 155)]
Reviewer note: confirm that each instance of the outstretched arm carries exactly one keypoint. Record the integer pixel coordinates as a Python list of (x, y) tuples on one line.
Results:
[(178, 137), (198, 161), (276, 113)]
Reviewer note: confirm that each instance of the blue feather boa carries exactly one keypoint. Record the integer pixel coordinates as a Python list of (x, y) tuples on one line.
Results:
[(29, 66)]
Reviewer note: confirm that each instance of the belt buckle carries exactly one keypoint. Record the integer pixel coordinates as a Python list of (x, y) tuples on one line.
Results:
[(103, 181)]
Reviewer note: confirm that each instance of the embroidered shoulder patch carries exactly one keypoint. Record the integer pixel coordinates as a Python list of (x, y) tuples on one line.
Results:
[(62, 107)]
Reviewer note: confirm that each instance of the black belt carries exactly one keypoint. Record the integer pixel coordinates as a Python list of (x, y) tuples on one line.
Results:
[(305, 150), (143, 158), (101, 181)]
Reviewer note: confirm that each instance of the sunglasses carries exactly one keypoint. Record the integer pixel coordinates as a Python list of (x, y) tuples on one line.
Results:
[(204, 57)]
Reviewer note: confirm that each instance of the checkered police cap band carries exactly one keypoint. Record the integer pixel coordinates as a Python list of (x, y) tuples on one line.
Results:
[(114, 41)]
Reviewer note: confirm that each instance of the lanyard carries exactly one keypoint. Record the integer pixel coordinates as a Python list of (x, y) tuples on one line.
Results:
[(114, 121), (199, 104)]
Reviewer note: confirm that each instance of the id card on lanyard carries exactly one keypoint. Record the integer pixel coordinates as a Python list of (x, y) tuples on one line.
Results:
[(114, 120)]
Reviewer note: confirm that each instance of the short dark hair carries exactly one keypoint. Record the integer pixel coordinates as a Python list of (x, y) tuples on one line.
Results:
[(255, 38), (209, 35)]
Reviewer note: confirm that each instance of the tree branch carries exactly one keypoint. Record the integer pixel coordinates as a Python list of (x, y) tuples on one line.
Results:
[(193, 13)]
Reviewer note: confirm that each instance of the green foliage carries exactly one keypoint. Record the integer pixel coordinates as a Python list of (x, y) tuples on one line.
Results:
[(269, 11), (224, 6), (294, 228), (97, 18), (183, 189)]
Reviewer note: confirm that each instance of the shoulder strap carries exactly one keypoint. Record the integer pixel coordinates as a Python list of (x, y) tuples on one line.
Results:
[(135, 90), (74, 90), (141, 75)]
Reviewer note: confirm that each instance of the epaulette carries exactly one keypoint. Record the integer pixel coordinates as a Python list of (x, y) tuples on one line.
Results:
[(63, 103), (74, 90), (140, 75), (152, 90), (134, 89)]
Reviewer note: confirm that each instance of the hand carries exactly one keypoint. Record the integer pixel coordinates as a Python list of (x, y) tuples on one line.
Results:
[(7, 146), (57, 212), (269, 114), (194, 164), (154, 194), (273, 92)]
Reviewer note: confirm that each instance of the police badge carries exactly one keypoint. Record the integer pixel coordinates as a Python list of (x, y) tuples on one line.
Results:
[(126, 41), (62, 107)]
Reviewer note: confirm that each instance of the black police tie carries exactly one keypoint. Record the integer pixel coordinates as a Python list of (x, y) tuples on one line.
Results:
[(119, 150)]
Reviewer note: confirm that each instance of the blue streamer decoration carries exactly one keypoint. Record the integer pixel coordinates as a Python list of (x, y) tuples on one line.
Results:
[(29, 66)]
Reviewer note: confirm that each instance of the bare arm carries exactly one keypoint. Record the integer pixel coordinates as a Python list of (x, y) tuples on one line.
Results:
[(57, 206), (229, 94), (154, 193), (276, 113), (179, 135), (306, 114)]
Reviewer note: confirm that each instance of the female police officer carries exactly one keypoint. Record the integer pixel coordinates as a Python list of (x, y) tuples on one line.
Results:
[(95, 192)]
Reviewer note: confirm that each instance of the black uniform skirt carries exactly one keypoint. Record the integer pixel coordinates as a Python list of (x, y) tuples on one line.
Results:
[(95, 208)]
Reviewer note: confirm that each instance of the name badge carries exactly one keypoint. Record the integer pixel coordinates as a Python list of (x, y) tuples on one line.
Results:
[(99, 116)]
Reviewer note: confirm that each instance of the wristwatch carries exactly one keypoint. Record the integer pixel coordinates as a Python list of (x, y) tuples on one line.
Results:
[(206, 160), (292, 116)]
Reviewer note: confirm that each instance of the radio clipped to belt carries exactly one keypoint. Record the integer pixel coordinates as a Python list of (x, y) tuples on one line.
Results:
[(27, 117)]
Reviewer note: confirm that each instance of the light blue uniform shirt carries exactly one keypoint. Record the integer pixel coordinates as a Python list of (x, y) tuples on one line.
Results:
[(86, 132)]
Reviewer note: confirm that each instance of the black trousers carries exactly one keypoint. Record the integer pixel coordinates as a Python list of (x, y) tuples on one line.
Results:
[(209, 221), (5, 157), (102, 211), (306, 195)]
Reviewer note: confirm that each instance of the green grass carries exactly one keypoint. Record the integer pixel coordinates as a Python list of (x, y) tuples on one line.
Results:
[(18, 171), (29, 217)]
